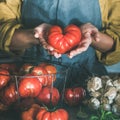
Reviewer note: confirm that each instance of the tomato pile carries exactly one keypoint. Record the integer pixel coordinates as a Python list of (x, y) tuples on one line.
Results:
[(30, 89)]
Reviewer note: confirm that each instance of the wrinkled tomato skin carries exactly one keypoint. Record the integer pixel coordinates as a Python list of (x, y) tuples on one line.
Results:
[(65, 40), (29, 86), (49, 95), (73, 96), (9, 94), (31, 113), (4, 77), (49, 67), (51, 70), (59, 114), (41, 74)]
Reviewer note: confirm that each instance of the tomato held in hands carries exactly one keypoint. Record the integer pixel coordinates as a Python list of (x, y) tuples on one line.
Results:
[(29, 86), (48, 96), (4, 77), (59, 114), (66, 40), (73, 96)]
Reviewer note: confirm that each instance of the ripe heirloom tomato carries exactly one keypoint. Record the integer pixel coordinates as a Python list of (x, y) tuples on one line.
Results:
[(51, 70), (9, 94), (48, 96), (11, 67), (65, 40), (59, 114), (73, 96), (41, 74), (31, 113), (4, 77), (29, 86)]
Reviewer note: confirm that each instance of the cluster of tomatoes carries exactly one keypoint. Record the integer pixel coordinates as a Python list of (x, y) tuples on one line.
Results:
[(35, 84)]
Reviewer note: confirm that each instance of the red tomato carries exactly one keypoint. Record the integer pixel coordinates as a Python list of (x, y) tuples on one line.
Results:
[(41, 74), (65, 40), (59, 114), (11, 67), (73, 96), (51, 70), (49, 95), (4, 77), (9, 95), (31, 113), (29, 86)]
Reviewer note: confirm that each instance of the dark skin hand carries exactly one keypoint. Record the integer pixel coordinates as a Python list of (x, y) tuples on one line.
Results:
[(23, 39)]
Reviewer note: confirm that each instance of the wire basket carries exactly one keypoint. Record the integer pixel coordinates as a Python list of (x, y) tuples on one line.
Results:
[(23, 89)]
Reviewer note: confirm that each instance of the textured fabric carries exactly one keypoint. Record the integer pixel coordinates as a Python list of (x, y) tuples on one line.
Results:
[(61, 12), (110, 10), (9, 21)]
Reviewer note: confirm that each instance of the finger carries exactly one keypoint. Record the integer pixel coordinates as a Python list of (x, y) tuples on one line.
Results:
[(73, 53), (36, 35), (55, 54), (50, 48)]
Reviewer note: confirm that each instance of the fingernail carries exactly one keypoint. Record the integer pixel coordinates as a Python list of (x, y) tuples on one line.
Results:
[(36, 35)]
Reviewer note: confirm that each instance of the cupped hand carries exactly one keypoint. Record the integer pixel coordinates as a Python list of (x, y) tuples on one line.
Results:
[(41, 32), (89, 33)]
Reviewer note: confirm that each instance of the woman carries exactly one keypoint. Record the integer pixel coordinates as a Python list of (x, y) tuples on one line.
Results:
[(23, 24)]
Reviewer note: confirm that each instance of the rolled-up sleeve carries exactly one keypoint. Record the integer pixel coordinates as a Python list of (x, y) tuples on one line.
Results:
[(110, 10), (9, 21)]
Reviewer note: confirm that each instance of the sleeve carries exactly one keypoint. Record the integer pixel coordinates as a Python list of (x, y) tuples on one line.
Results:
[(111, 26), (9, 21)]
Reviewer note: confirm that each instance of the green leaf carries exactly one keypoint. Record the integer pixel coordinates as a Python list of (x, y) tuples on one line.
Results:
[(94, 118)]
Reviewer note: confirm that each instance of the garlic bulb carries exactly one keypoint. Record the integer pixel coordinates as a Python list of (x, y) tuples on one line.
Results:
[(95, 94), (109, 83), (117, 99), (117, 84), (94, 84), (94, 103), (111, 93), (106, 79)]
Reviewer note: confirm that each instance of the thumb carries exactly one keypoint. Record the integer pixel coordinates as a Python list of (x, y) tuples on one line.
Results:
[(36, 35)]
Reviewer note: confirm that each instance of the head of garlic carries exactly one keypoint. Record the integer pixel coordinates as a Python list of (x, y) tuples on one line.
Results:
[(94, 84)]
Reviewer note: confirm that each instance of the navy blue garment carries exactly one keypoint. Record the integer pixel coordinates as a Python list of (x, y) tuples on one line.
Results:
[(63, 13)]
